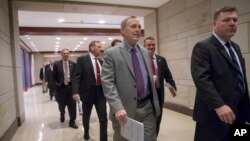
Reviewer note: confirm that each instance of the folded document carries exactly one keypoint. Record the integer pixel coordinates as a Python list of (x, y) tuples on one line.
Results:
[(133, 130)]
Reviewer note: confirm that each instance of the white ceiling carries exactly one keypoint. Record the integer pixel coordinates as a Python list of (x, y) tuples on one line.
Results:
[(78, 15)]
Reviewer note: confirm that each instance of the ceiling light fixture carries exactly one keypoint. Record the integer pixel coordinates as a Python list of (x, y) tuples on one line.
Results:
[(85, 38), (58, 38), (61, 20), (101, 22)]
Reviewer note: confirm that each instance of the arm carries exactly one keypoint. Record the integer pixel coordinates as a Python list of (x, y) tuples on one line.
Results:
[(110, 89), (201, 71), (167, 74), (76, 80)]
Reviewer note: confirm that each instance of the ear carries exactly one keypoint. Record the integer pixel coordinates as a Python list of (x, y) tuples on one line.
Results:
[(122, 31), (214, 23)]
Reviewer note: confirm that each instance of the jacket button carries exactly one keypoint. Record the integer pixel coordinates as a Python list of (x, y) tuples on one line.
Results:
[(134, 86), (134, 98)]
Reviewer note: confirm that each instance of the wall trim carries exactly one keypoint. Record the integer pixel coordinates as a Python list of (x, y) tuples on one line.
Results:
[(178, 108), (10, 132)]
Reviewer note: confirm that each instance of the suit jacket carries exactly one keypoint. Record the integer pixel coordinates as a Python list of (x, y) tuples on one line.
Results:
[(49, 77), (43, 75), (163, 72), (214, 75), (84, 81), (119, 84), (58, 73)]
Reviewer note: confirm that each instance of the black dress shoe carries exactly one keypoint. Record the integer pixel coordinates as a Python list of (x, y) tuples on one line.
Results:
[(86, 136), (73, 125), (62, 119)]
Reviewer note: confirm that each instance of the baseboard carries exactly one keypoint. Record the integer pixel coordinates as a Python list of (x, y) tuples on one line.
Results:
[(10, 132), (178, 108), (21, 119)]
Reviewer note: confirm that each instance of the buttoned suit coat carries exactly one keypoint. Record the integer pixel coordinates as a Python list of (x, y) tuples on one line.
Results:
[(119, 83), (214, 75), (58, 72), (84, 79)]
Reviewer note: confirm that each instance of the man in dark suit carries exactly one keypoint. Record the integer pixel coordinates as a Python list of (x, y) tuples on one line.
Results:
[(62, 73), (42, 76), (49, 79), (160, 72), (87, 87), (218, 71)]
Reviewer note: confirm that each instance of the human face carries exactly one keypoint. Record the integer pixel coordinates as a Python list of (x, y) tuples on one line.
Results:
[(226, 25), (97, 49), (65, 55), (132, 31), (150, 45)]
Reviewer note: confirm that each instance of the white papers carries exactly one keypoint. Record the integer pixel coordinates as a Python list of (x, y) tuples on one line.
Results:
[(79, 105), (133, 130)]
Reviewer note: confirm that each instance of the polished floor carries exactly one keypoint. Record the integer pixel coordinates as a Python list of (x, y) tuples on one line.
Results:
[(42, 123)]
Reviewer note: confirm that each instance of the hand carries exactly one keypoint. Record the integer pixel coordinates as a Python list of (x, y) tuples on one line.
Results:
[(76, 97), (121, 116), (225, 114)]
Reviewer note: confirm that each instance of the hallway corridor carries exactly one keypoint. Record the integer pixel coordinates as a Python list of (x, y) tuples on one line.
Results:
[(42, 123)]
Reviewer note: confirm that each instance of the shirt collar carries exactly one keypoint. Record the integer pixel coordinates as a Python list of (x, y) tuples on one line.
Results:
[(92, 56), (220, 40)]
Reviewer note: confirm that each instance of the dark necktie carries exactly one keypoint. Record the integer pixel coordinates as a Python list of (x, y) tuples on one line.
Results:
[(98, 76), (66, 73), (138, 74), (237, 67)]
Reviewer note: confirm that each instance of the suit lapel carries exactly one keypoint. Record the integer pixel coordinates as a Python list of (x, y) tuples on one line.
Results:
[(159, 67), (126, 56), (89, 62), (222, 50), (145, 55)]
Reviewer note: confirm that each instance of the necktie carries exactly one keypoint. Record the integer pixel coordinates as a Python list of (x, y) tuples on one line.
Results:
[(153, 67), (66, 73), (138, 74), (156, 82), (98, 76), (237, 67)]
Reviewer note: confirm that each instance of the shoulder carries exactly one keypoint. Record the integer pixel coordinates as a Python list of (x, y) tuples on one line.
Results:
[(72, 62)]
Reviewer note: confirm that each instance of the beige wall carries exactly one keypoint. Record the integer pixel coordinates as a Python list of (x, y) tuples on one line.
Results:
[(11, 98), (181, 24)]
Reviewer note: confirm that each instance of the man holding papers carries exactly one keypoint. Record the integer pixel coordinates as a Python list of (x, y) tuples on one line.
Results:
[(128, 83), (160, 72)]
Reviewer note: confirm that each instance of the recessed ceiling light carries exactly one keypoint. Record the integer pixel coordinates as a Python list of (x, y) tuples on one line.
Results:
[(110, 38), (85, 38), (56, 45), (57, 42), (103, 42), (81, 42), (78, 45), (58, 38), (101, 22), (60, 20)]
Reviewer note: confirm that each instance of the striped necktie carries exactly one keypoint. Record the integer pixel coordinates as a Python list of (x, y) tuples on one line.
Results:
[(237, 68), (138, 74)]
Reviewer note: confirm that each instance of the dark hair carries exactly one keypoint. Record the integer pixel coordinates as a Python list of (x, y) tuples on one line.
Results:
[(64, 50), (115, 41), (223, 9), (148, 38), (92, 43)]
